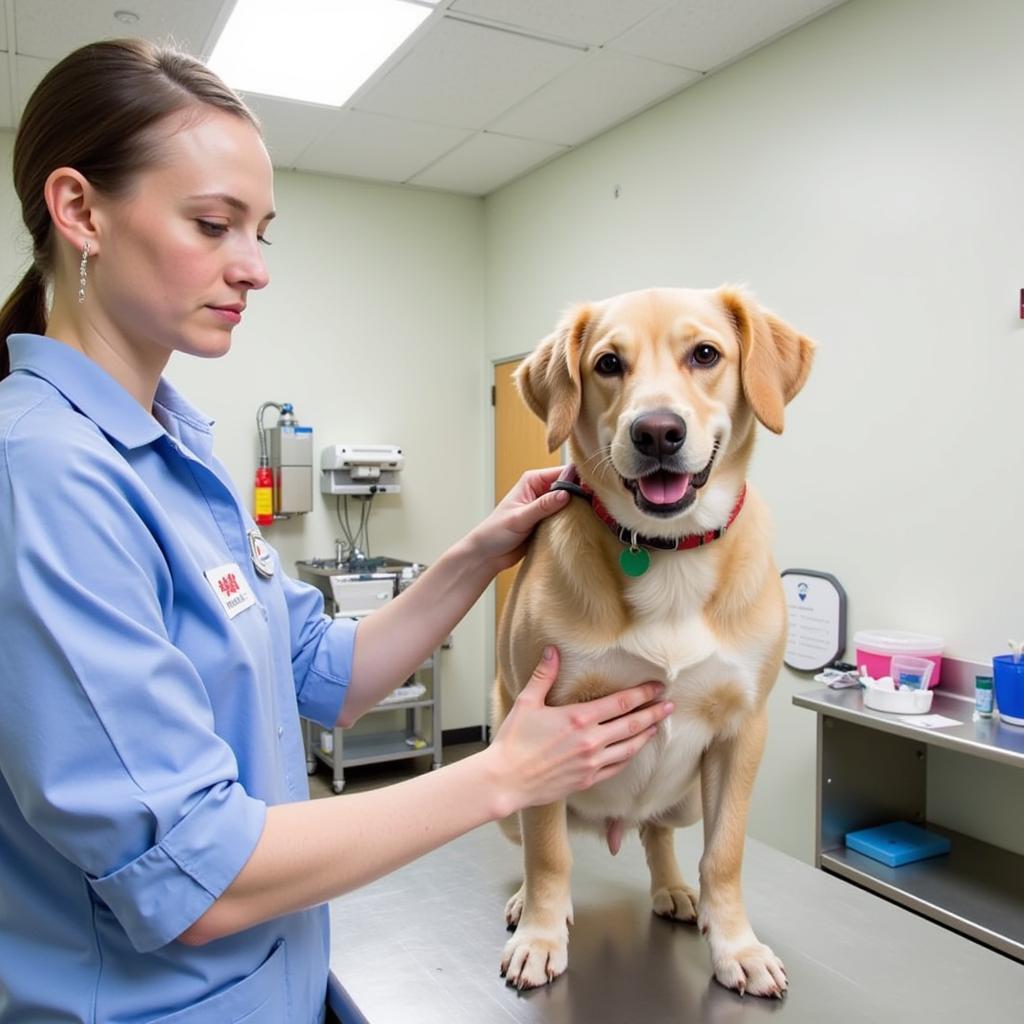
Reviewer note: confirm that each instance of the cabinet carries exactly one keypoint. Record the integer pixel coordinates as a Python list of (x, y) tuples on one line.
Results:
[(873, 768)]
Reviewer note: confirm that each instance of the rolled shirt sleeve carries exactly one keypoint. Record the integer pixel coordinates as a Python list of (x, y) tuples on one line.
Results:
[(166, 888), (107, 738)]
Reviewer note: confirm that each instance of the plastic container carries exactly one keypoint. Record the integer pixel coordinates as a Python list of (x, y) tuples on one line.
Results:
[(876, 647), (899, 702), (898, 843), (910, 671), (1009, 686), (983, 696)]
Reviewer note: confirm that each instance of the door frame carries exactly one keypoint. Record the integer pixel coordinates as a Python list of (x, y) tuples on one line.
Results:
[(491, 629)]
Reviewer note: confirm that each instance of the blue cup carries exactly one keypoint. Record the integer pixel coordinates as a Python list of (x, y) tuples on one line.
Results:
[(1008, 679)]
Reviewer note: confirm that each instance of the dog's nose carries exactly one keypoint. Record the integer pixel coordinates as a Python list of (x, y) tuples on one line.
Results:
[(658, 433)]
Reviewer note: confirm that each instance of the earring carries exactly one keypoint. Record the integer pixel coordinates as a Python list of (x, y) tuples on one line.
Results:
[(82, 271)]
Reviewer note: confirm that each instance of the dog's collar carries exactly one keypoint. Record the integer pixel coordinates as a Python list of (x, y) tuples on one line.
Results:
[(634, 542)]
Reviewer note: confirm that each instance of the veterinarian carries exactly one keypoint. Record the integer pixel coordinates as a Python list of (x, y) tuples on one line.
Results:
[(159, 858)]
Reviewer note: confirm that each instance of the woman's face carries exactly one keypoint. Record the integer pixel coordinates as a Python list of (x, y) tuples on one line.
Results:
[(180, 253)]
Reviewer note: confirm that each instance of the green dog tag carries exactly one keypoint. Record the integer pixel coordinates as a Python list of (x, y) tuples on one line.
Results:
[(634, 561)]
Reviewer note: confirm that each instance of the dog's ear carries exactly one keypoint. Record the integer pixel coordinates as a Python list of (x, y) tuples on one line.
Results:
[(775, 359), (549, 378)]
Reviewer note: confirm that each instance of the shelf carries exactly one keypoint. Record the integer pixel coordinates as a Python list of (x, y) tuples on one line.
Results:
[(872, 768), (401, 705), (976, 889), (378, 746), (987, 738)]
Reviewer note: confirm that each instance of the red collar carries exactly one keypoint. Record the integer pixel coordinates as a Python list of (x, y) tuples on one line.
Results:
[(570, 481)]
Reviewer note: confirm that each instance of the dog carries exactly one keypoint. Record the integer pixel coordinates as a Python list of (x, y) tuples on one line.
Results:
[(658, 568)]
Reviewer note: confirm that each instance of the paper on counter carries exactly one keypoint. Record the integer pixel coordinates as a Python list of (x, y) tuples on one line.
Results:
[(930, 721)]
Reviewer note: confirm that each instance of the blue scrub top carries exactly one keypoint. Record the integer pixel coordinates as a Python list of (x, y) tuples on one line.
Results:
[(151, 682)]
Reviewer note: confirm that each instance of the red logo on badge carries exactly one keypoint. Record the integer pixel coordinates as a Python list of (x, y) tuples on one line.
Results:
[(228, 584)]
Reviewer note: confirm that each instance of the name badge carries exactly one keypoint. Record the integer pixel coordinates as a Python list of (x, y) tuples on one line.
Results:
[(259, 551), (231, 588)]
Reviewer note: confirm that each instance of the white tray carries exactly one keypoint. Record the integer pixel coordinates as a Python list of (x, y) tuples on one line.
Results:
[(899, 702)]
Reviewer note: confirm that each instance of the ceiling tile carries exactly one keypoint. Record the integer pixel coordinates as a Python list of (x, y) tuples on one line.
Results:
[(581, 21), (53, 28), (374, 146), (601, 61), (591, 97), (485, 162), (466, 75), (289, 126), (703, 34)]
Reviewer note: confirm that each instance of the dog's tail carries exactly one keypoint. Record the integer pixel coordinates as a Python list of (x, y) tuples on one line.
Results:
[(510, 826)]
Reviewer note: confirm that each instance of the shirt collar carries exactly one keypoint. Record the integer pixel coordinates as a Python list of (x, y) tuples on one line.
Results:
[(183, 420), (97, 395)]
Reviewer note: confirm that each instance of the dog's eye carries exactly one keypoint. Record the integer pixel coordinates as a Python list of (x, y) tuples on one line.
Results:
[(705, 355), (609, 365)]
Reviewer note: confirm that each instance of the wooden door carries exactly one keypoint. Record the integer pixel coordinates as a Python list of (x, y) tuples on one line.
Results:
[(519, 445)]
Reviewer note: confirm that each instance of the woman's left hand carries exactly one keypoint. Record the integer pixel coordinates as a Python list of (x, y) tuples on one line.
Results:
[(501, 538)]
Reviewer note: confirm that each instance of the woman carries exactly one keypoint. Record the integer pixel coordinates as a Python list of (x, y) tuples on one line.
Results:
[(159, 859)]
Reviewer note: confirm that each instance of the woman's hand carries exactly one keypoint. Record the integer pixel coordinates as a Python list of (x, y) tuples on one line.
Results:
[(501, 538), (542, 754)]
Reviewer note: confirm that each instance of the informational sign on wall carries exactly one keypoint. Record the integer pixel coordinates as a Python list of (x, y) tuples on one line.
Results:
[(816, 603)]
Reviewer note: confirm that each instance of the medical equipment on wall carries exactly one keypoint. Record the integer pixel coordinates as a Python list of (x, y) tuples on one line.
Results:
[(284, 479), (359, 471)]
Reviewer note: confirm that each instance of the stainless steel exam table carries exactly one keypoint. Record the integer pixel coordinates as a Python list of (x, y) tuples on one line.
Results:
[(423, 947)]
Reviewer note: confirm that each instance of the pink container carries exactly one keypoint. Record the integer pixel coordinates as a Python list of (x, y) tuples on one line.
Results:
[(875, 648)]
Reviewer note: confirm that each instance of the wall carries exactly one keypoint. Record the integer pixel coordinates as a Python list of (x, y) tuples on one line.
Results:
[(862, 175), (372, 327)]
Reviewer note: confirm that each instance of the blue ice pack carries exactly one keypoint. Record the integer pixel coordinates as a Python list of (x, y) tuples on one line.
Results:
[(897, 843)]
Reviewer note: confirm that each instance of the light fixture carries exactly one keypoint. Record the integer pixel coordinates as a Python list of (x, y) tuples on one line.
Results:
[(126, 17), (319, 51)]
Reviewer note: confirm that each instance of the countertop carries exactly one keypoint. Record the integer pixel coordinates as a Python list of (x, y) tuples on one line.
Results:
[(423, 945)]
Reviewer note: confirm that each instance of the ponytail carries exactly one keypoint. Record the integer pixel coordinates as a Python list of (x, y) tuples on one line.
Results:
[(24, 310)]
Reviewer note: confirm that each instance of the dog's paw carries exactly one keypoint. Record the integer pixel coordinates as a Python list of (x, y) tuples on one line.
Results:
[(752, 969), (533, 957), (514, 910), (677, 903)]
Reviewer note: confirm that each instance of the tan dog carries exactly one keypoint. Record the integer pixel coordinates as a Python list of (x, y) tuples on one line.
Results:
[(658, 393)]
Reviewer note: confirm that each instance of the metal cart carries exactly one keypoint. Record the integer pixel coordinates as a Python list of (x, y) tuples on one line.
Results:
[(420, 735)]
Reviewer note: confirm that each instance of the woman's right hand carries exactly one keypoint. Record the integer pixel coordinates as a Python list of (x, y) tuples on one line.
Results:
[(542, 754)]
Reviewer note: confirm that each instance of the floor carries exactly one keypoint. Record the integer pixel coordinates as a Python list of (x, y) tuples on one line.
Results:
[(373, 776)]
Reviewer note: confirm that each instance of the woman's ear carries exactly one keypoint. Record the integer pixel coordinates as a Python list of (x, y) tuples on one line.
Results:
[(775, 358), (549, 378), (70, 199)]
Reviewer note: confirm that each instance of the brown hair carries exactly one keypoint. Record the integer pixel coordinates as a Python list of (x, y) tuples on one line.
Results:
[(91, 112)]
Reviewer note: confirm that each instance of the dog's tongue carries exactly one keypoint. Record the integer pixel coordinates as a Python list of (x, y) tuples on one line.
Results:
[(664, 488)]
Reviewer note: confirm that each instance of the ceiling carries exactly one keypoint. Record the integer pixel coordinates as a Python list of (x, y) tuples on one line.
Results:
[(481, 93)]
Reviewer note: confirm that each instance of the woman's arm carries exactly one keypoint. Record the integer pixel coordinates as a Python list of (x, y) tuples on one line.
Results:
[(395, 640), (540, 755)]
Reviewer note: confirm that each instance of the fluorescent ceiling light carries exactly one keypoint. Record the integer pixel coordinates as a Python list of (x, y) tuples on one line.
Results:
[(320, 51)]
